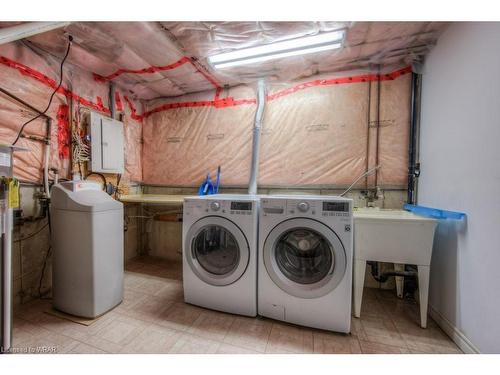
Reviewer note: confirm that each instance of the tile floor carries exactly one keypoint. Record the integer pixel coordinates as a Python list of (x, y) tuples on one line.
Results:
[(154, 319)]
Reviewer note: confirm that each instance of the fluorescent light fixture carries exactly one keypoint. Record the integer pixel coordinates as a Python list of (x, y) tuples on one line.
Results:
[(292, 47)]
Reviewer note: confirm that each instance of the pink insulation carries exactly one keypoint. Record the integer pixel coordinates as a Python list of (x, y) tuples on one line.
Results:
[(314, 133), (133, 147), (367, 45), (142, 52), (184, 144), (32, 75), (315, 137), (322, 123)]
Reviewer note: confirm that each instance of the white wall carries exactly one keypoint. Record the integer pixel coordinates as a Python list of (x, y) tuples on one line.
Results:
[(460, 158)]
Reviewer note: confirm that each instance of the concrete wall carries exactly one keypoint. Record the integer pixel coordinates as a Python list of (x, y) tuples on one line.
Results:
[(460, 159)]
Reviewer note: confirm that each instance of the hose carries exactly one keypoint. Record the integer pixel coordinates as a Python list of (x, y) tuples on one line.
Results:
[(367, 173)]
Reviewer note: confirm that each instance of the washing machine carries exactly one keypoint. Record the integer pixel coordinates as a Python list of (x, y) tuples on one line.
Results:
[(220, 252), (305, 260)]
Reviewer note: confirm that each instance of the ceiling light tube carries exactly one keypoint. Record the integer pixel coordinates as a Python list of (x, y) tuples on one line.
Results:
[(292, 47)]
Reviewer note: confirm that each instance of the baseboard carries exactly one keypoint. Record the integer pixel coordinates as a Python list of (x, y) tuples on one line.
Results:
[(455, 334)]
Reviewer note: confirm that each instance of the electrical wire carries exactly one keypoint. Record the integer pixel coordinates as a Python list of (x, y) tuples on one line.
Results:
[(367, 173), (32, 234), (51, 96), (47, 255)]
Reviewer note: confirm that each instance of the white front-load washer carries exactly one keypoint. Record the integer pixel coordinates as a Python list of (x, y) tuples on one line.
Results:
[(219, 243), (305, 260)]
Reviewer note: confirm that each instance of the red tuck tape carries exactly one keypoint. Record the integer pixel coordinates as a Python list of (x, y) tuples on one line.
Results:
[(47, 81), (63, 132), (149, 70), (118, 102), (341, 80), (217, 102), (231, 102), (133, 111), (155, 69)]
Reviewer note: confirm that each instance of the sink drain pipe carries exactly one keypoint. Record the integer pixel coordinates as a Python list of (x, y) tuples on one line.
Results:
[(383, 277), (259, 114)]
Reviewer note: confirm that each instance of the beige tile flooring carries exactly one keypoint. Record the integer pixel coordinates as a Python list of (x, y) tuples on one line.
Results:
[(154, 319)]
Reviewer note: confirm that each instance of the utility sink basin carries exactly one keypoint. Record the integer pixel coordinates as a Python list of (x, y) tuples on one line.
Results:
[(392, 236)]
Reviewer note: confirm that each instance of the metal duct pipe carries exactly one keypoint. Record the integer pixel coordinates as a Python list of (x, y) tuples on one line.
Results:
[(27, 29), (259, 114)]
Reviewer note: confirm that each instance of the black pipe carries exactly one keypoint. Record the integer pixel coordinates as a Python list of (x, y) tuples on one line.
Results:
[(383, 277), (413, 165)]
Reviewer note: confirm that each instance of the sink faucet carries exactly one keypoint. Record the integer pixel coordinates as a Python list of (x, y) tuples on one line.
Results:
[(370, 196)]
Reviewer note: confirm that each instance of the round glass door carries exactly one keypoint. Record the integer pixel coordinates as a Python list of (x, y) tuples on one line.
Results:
[(304, 257), (217, 250)]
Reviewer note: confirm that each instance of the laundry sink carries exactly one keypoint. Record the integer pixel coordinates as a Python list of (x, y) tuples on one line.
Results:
[(393, 236)]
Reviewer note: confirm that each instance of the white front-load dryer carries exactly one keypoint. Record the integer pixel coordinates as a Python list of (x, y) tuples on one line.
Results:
[(305, 260), (219, 243)]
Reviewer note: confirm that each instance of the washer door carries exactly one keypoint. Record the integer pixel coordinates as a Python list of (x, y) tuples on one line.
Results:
[(217, 250), (304, 257)]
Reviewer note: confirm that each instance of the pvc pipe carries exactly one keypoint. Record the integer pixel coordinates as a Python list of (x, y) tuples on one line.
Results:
[(27, 29), (259, 114), (7, 279)]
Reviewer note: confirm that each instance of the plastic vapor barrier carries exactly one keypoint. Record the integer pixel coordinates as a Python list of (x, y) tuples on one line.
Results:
[(315, 134), (32, 75)]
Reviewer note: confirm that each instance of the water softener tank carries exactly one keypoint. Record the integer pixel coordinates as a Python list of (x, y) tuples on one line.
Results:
[(87, 245)]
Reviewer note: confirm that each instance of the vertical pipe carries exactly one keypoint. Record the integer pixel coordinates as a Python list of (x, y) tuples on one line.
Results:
[(6, 221), (47, 159), (368, 117), (378, 126), (259, 114), (112, 102), (413, 167)]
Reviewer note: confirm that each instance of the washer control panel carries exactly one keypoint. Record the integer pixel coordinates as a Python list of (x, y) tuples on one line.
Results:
[(219, 207), (306, 207), (241, 207)]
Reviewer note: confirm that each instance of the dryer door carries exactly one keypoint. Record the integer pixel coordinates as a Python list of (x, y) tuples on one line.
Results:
[(304, 257), (217, 250)]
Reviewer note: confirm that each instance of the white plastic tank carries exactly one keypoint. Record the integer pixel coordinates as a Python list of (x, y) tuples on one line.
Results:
[(87, 245)]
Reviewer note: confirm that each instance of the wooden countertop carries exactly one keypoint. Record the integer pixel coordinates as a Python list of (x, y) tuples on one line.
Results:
[(176, 199)]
